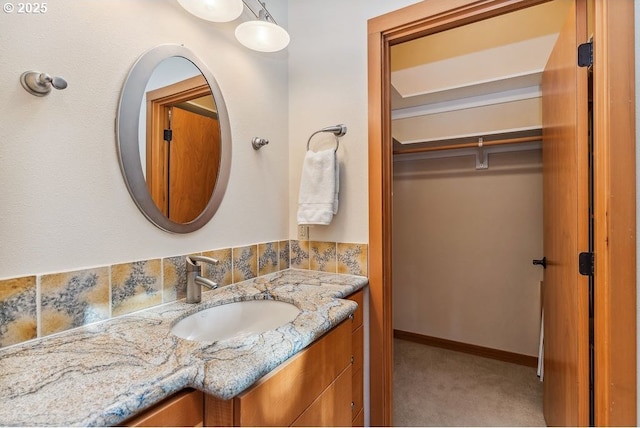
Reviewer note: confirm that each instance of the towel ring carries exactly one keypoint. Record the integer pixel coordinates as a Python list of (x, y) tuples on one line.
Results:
[(309, 141), (338, 131)]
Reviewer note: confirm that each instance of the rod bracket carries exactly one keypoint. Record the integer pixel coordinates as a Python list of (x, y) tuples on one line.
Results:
[(482, 157)]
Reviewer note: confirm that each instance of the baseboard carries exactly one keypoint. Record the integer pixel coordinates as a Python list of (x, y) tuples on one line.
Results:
[(496, 354)]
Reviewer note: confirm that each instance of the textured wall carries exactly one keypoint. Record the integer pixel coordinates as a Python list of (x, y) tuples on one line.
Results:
[(64, 204)]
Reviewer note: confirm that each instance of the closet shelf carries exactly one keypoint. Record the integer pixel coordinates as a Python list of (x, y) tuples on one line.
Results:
[(479, 144), (479, 148)]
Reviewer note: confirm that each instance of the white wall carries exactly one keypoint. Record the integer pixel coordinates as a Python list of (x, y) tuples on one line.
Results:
[(63, 203), (463, 241), (327, 86)]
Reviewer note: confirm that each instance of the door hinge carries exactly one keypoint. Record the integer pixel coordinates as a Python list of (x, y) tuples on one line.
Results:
[(585, 264), (168, 135), (585, 54)]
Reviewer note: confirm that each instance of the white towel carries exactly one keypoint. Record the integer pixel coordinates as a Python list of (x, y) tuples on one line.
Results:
[(318, 197)]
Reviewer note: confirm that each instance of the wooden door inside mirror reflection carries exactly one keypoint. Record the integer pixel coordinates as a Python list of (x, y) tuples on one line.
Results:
[(182, 170)]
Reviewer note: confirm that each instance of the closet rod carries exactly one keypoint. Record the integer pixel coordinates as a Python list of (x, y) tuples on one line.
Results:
[(410, 150)]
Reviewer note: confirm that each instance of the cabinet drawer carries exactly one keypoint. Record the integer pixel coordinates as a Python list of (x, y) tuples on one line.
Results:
[(357, 297), (281, 396), (332, 407), (181, 409), (357, 381), (357, 348)]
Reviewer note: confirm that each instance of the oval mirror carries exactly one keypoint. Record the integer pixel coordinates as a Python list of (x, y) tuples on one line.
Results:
[(174, 139)]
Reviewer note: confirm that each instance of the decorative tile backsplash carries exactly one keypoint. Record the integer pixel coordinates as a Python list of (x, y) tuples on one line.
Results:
[(336, 257), (18, 307), (222, 273), (353, 259), (37, 306), (268, 258), (284, 254), (72, 299), (299, 254), (175, 278), (322, 256), (245, 263), (135, 286)]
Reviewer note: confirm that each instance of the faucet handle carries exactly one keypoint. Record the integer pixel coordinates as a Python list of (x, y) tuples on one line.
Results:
[(203, 259), (193, 266)]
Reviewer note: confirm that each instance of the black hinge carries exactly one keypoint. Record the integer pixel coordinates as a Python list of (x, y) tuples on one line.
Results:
[(168, 135), (585, 55), (585, 264)]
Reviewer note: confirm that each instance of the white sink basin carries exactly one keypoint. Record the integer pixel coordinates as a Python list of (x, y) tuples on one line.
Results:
[(232, 319)]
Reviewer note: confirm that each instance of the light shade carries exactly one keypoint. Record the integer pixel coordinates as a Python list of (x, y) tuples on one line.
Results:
[(214, 10), (262, 36)]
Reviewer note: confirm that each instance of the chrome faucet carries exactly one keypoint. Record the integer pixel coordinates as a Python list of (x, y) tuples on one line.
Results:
[(194, 279)]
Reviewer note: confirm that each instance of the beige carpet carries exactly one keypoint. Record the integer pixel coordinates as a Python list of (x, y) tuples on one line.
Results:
[(438, 387)]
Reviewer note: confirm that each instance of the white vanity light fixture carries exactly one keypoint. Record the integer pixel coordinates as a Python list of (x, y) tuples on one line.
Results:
[(214, 10), (263, 34)]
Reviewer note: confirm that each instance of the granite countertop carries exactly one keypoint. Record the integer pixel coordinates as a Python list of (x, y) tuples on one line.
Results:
[(104, 373)]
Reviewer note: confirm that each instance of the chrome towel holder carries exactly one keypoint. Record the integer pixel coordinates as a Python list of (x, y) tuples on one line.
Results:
[(337, 130), (40, 84), (258, 142)]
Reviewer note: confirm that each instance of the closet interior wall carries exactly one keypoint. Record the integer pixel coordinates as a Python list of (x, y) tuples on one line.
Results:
[(463, 245)]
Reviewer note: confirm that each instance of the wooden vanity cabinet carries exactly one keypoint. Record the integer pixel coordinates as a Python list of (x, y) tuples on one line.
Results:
[(312, 388), (357, 346)]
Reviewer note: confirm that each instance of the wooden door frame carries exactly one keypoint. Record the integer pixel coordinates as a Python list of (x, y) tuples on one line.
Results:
[(614, 146), (158, 101), (615, 214)]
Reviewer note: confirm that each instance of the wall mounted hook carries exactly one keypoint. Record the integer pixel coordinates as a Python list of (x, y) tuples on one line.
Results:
[(39, 84), (258, 142)]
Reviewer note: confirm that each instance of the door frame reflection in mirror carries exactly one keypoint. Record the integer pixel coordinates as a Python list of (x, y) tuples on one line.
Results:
[(175, 161), (128, 144)]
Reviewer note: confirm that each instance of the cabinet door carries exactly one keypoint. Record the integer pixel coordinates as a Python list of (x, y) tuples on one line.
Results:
[(281, 396), (333, 407), (183, 409)]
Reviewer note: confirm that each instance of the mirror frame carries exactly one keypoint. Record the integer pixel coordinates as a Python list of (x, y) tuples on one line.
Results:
[(127, 124)]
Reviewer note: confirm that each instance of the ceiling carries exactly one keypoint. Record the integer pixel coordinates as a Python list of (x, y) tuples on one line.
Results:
[(479, 79)]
